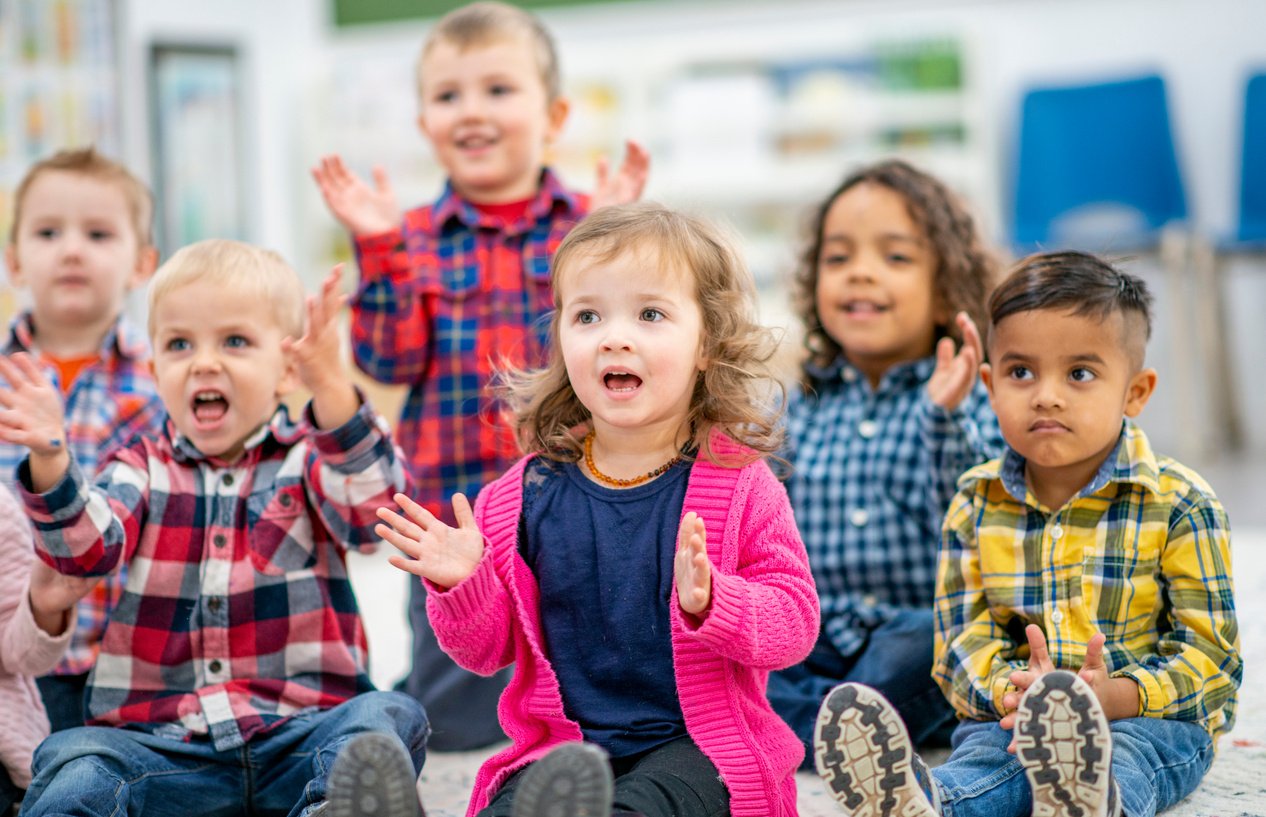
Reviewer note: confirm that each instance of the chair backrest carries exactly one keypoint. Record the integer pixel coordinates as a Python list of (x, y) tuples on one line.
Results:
[(1096, 167), (1252, 226)]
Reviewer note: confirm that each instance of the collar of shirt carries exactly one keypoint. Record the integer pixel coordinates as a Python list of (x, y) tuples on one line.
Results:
[(451, 206), (1132, 460), (279, 430), (123, 341), (899, 377)]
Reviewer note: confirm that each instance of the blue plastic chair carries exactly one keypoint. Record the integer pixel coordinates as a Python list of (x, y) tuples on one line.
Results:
[(1096, 168), (1252, 223)]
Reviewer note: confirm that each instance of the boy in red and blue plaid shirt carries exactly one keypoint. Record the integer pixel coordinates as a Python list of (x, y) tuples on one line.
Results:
[(453, 291), (80, 241), (232, 673)]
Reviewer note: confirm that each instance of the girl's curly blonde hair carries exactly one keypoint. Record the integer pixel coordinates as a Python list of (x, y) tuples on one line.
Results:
[(736, 391), (962, 282)]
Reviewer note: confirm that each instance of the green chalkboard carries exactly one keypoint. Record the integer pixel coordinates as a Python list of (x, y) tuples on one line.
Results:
[(357, 12)]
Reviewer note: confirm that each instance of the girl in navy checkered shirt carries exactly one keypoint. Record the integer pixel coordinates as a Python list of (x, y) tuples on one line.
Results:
[(889, 412)]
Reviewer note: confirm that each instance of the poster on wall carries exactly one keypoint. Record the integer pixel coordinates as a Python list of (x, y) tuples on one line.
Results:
[(195, 116)]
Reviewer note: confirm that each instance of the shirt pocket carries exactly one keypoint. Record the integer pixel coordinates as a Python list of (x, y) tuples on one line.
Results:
[(281, 535), (1120, 582)]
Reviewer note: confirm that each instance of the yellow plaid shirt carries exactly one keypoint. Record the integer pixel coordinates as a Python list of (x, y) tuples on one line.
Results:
[(1141, 554)]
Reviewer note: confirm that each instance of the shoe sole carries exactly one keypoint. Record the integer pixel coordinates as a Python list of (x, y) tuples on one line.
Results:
[(373, 777), (863, 754), (573, 780), (1064, 743)]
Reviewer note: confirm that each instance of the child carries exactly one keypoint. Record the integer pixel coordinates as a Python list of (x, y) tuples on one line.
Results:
[(237, 645), (36, 622), (1078, 551), (886, 418), (644, 595), (452, 289), (80, 242)]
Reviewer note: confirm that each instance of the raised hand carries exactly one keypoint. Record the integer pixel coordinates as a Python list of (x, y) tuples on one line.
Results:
[(53, 594), (32, 416), (691, 568), (433, 550), (955, 374), (362, 209), (318, 358), (627, 183)]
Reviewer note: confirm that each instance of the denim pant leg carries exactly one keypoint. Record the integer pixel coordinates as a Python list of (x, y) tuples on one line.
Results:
[(104, 770), (63, 697), (981, 778), (897, 661), (290, 764), (1158, 762), (462, 705)]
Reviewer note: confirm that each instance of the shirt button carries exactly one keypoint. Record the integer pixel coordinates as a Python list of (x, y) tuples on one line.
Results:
[(869, 600), (848, 374), (227, 479), (214, 604), (859, 517), (219, 540), (1057, 617), (284, 499), (1057, 532), (867, 428), (215, 666)]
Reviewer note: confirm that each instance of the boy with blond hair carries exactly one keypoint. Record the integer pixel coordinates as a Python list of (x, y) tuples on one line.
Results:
[(80, 241), (451, 291), (235, 663), (1086, 629)]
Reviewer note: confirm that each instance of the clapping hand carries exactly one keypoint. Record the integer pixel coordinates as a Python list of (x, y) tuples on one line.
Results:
[(691, 568), (434, 551)]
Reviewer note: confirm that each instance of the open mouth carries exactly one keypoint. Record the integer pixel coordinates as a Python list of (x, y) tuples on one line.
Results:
[(209, 406), (864, 308), (476, 142), (621, 381)]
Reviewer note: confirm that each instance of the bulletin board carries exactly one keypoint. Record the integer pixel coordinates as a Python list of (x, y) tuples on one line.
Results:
[(59, 88), (358, 12)]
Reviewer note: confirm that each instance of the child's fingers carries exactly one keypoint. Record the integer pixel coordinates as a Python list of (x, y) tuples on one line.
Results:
[(381, 180), (1094, 653), (399, 541), (944, 353), (971, 335), (414, 511), (407, 565), (1037, 646), (462, 511), (407, 527)]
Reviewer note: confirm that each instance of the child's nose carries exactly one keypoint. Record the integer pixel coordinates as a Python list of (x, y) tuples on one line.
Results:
[(1048, 394), (617, 337), (206, 360)]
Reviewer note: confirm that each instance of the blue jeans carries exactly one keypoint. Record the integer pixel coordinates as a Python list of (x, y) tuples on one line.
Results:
[(104, 770), (63, 697), (896, 660), (1155, 763)]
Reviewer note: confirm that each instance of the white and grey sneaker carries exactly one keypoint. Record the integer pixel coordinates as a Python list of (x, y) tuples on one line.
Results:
[(1065, 746), (573, 780), (864, 755), (372, 776)]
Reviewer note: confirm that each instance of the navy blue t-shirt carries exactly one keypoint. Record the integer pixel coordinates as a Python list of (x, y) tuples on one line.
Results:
[(603, 559)]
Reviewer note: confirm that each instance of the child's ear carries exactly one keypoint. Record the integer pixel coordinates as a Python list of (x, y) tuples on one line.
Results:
[(146, 263), (556, 115), (1139, 391), (11, 261), (986, 376)]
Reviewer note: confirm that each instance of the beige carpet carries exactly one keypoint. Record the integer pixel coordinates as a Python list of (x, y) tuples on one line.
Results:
[(1234, 787)]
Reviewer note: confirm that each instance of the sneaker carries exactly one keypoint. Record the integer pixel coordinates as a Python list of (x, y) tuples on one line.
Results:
[(573, 780), (864, 755), (1065, 746), (372, 776)]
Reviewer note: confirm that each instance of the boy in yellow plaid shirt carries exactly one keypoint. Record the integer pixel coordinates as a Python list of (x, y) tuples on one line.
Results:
[(1086, 629)]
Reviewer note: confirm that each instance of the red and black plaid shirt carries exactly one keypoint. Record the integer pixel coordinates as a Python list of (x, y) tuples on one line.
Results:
[(237, 611), (446, 300)]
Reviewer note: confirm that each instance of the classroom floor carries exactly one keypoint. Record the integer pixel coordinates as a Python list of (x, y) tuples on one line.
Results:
[(1234, 787)]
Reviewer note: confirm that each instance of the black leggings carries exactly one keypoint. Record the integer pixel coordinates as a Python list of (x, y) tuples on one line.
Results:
[(673, 780)]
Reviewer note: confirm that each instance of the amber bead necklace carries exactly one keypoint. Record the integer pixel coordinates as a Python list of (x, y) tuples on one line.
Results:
[(616, 482)]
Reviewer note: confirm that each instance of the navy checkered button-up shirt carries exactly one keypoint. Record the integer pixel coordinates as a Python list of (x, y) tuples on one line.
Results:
[(874, 471)]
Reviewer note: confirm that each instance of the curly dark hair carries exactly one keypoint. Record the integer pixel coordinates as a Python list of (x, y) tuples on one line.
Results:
[(962, 281)]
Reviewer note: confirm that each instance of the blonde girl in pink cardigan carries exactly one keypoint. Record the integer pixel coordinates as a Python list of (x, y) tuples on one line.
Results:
[(35, 630), (640, 566)]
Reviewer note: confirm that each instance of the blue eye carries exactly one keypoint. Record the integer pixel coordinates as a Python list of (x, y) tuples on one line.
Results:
[(236, 342), (177, 345), (586, 316), (652, 314)]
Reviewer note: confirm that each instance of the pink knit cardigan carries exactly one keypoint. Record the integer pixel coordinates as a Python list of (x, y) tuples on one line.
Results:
[(764, 616), (25, 649)]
